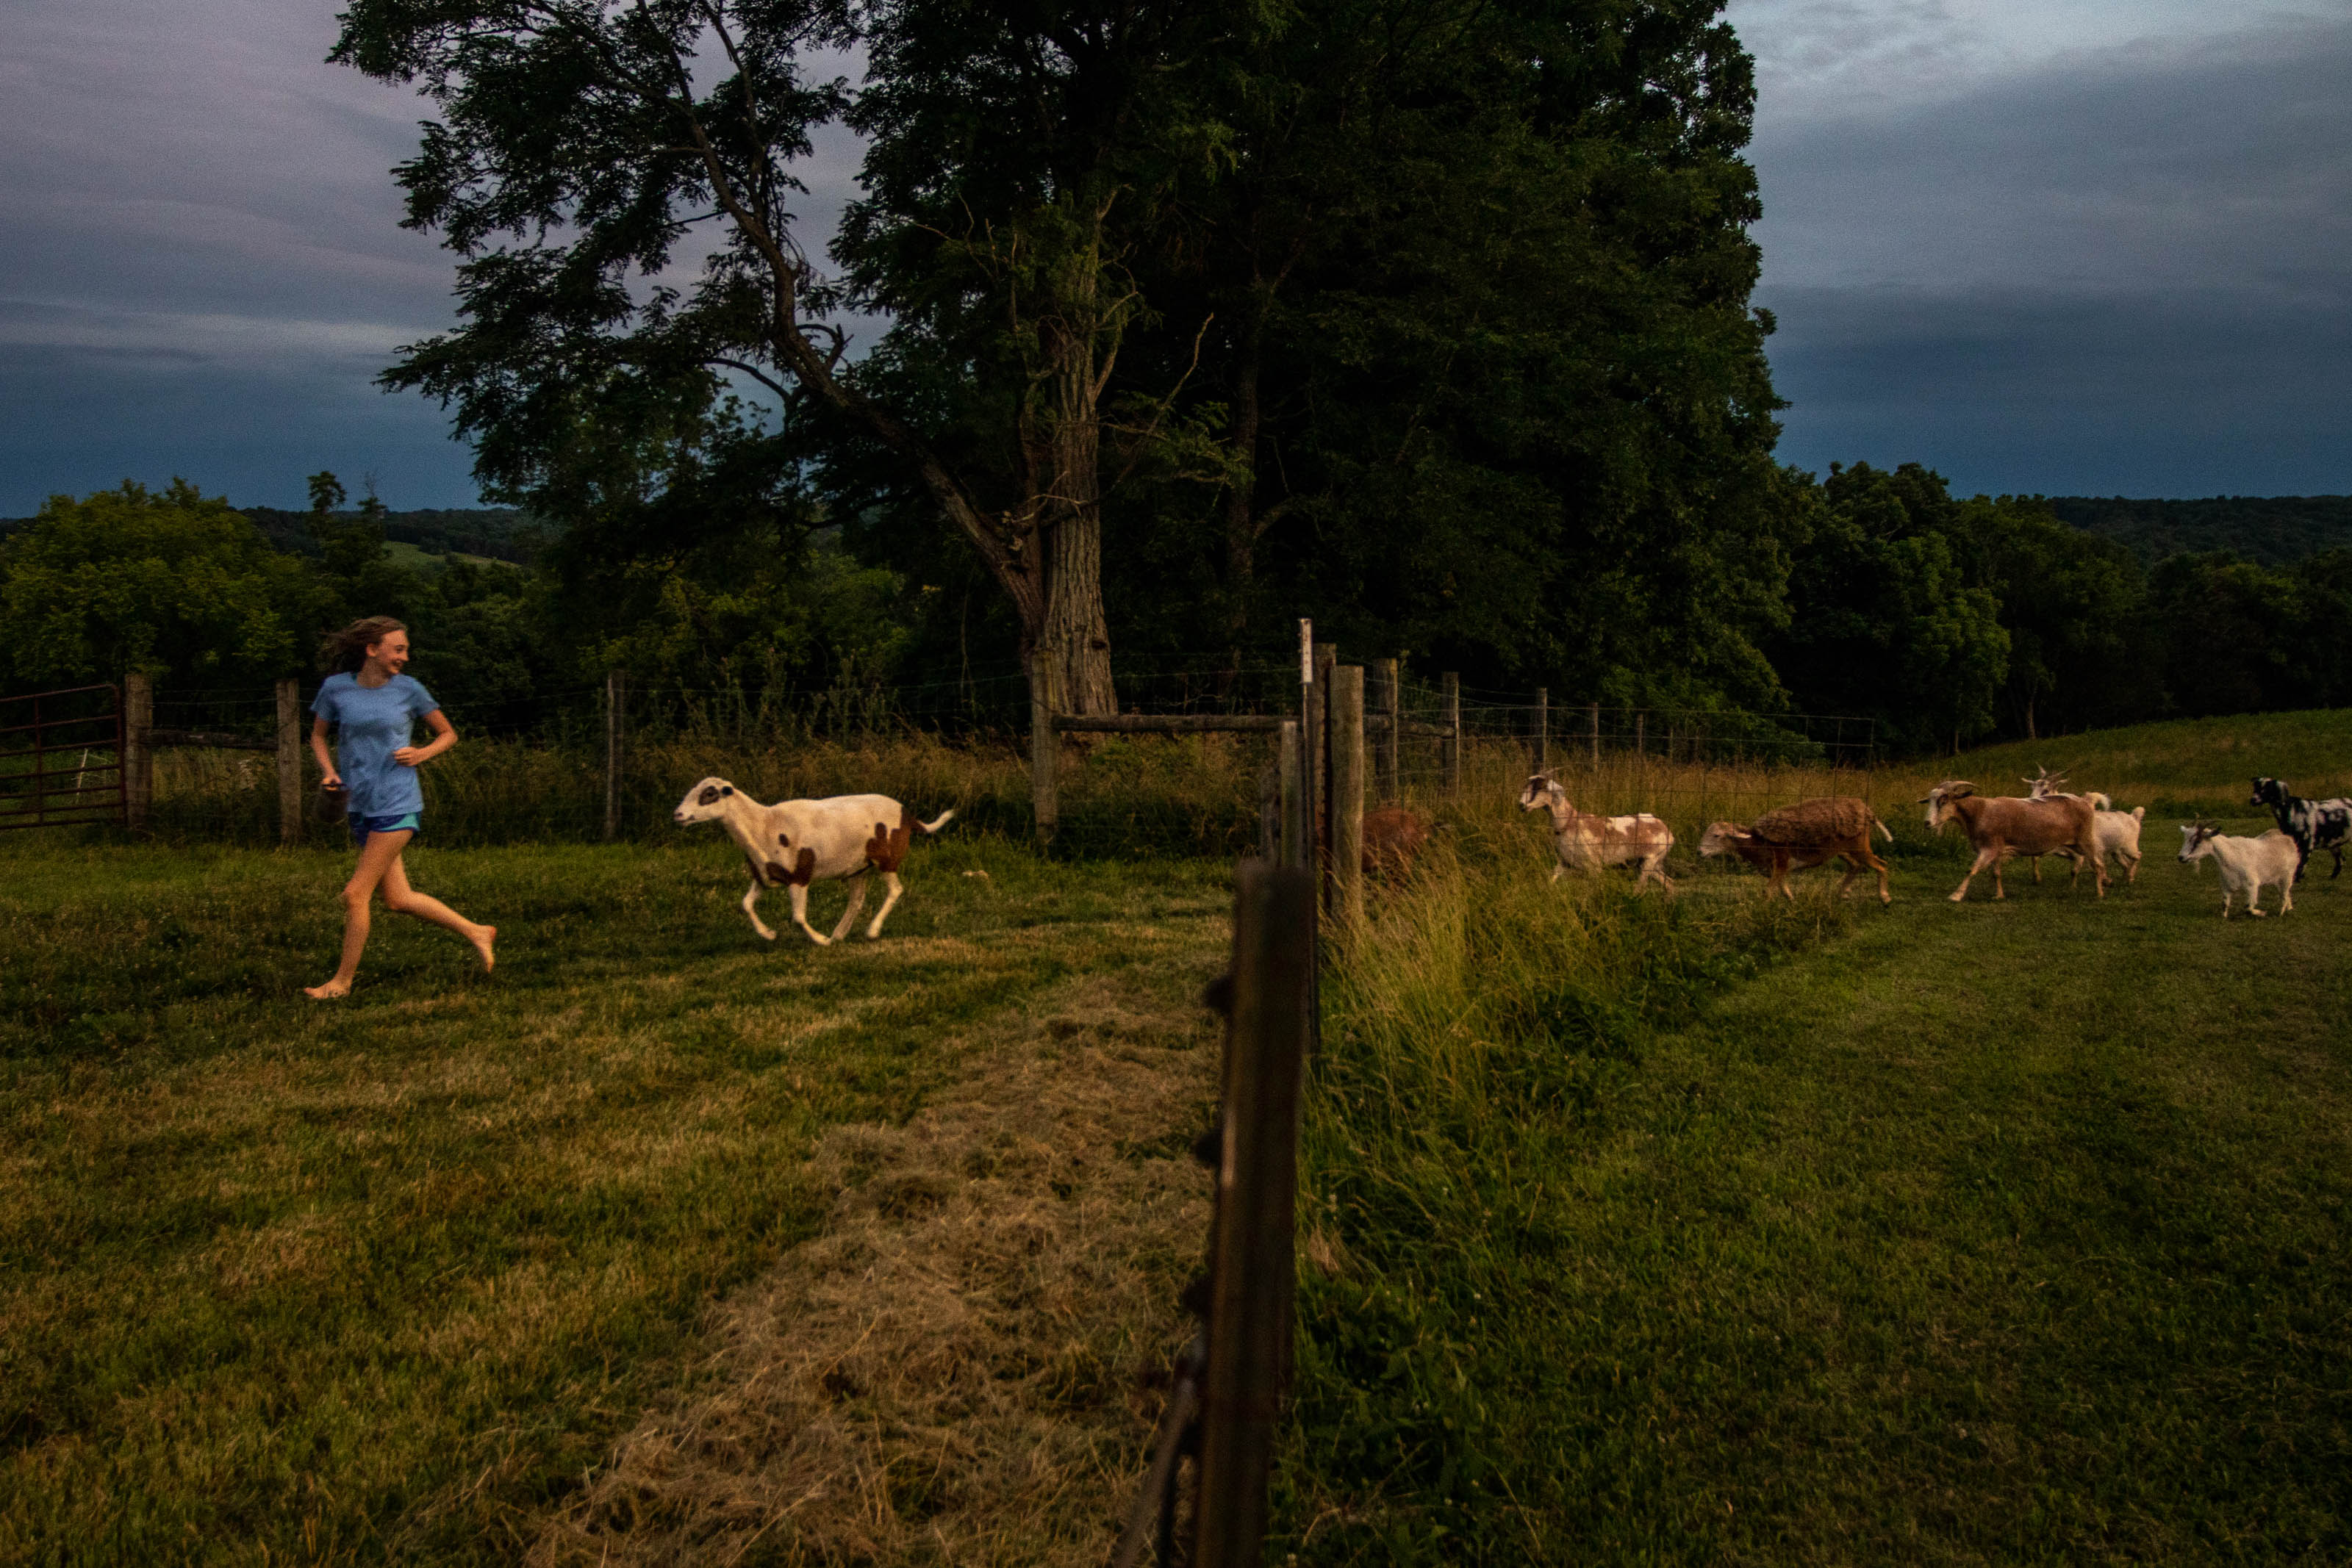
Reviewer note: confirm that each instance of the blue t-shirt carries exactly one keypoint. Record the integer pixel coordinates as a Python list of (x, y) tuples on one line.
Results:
[(376, 722)]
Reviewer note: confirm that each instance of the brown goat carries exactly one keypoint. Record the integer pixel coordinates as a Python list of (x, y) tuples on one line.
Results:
[(1392, 838), (1800, 837), (2001, 826)]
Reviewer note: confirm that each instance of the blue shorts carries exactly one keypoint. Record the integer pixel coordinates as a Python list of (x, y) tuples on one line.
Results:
[(363, 826)]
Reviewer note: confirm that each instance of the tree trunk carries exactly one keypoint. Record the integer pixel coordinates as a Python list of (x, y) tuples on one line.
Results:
[(1072, 633)]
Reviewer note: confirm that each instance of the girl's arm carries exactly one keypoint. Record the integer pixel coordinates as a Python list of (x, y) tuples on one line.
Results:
[(445, 736), (318, 750)]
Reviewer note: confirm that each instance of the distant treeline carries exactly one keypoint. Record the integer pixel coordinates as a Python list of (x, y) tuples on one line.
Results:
[(2275, 530), (496, 533), (1869, 592)]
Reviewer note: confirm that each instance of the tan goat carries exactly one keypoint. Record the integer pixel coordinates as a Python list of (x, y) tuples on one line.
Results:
[(1800, 837), (2004, 825)]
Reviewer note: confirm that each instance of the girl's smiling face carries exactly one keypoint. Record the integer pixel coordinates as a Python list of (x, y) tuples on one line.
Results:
[(387, 656)]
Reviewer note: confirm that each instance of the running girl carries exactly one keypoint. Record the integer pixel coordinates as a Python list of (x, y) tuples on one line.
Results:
[(377, 707)]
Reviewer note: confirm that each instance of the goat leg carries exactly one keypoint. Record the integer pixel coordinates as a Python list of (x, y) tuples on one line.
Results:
[(800, 916), (890, 880), (751, 901), (856, 903)]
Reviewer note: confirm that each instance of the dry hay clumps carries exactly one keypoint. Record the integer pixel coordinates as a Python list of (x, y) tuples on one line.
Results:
[(961, 1369), (1820, 820)]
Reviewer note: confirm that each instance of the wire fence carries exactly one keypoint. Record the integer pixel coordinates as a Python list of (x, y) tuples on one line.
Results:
[(538, 767)]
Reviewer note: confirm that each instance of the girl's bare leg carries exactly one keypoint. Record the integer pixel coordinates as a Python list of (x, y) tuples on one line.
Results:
[(380, 855), (398, 895)]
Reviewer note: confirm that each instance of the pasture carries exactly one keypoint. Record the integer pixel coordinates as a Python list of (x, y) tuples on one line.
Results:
[(1713, 1230)]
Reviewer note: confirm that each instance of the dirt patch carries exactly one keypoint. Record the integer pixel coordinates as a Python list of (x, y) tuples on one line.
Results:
[(966, 1366)]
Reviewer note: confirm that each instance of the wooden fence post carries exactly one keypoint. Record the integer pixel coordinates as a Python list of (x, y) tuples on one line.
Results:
[(616, 690), (1450, 685), (1045, 750), (290, 762), (1347, 793), (1253, 1261), (138, 756), (1543, 729), (1593, 713)]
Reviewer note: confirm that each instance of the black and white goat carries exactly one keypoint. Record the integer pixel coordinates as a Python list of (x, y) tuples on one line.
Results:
[(2312, 824), (794, 843)]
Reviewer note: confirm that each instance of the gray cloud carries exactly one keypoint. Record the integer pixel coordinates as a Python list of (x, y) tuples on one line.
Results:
[(2005, 236), (2124, 271), (201, 264)]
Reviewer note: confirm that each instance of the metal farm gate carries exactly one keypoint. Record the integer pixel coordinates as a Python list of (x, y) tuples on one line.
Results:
[(61, 758)]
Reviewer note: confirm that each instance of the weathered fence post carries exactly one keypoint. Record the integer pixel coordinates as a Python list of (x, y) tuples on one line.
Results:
[(1641, 740), (1450, 686), (289, 761), (1252, 1263), (1347, 793), (1045, 750), (1543, 729), (1593, 713), (615, 691), (1391, 703), (137, 755)]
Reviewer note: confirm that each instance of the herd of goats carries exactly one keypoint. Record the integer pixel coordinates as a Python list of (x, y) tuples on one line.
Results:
[(849, 837), (2048, 820)]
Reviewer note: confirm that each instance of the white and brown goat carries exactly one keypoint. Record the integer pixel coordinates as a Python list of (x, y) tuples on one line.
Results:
[(1587, 843), (2000, 826), (1800, 837), (794, 843)]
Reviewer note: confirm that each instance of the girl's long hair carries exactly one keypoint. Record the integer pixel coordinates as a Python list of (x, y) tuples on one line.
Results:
[(345, 650)]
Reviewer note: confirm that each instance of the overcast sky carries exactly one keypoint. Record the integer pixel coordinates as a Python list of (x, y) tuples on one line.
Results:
[(2058, 246)]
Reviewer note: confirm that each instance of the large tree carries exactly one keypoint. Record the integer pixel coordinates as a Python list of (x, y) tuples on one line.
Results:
[(585, 148), (1429, 317)]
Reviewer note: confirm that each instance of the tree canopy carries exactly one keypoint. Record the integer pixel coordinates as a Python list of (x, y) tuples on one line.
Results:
[(1417, 314), (132, 580)]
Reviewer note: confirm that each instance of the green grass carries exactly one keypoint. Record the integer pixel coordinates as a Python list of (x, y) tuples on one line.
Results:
[(284, 1281), (2180, 766), (2014, 1232)]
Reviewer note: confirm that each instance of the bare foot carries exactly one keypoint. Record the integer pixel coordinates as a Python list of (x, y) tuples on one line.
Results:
[(327, 992), (484, 936)]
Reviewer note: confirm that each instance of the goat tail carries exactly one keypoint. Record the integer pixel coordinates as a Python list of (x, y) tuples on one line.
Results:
[(2140, 813), (1882, 826), (936, 824)]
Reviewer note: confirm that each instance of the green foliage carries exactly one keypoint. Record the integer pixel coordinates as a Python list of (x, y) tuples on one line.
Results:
[(2273, 530), (1883, 620), (174, 584)]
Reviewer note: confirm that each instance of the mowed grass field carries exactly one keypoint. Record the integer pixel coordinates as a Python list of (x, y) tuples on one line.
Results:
[(285, 1281)]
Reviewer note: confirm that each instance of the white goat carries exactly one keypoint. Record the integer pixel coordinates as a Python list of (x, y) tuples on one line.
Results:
[(2248, 865), (2117, 831), (794, 843), (1587, 843)]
